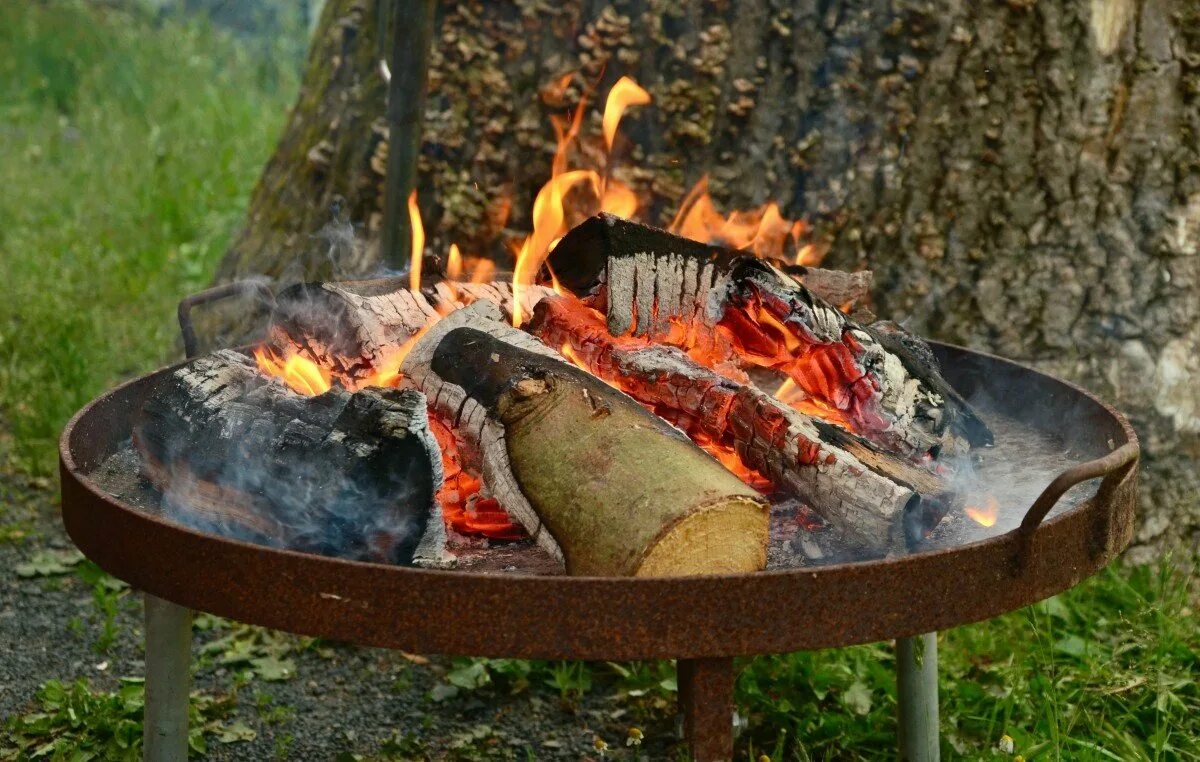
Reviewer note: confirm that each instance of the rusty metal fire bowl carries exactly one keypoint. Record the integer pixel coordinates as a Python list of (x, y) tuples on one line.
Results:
[(702, 621)]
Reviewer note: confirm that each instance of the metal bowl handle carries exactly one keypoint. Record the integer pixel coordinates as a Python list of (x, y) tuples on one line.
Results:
[(215, 294), (1113, 467)]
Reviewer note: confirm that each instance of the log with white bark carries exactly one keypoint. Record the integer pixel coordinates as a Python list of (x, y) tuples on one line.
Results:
[(593, 477), (655, 284), (875, 499), (346, 474), (358, 329)]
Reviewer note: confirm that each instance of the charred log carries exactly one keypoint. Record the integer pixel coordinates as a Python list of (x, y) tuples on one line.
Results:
[(873, 498), (652, 283), (582, 259), (567, 457), (346, 474)]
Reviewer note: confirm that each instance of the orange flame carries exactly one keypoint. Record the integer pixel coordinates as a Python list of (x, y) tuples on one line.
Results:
[(788, 392), (550, 221), (418, 243), (763, 231), (483, 270), (301, 374), (624, 93), (454, 263), (807, 256), (549, 224), (618, 199), (984, 516)]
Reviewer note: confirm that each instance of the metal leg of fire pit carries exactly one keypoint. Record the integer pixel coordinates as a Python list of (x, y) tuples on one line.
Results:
[(917, 687), (168, 681), (706, 702)]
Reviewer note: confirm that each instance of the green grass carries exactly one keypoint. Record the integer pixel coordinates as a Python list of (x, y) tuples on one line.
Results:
[(1107, 670), (127, 151)]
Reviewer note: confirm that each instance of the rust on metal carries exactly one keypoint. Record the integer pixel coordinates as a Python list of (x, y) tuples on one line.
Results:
[(450, 612), (706, 704)]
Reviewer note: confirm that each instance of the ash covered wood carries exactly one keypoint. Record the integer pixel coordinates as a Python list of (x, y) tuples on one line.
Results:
[(838, 287), (346, 474), (654, 284), (361, 328), (590, 474), (873, 498)]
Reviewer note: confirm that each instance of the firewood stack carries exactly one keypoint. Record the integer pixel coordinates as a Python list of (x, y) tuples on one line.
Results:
[(593, 425)]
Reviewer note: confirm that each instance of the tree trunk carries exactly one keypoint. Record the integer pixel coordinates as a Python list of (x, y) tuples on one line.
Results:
[(1023, 176)]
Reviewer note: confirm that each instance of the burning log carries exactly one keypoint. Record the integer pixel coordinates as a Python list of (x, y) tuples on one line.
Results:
[(872, 497), (346, 474), (654, 284), (354, 328), (593, 477), (360, 330)]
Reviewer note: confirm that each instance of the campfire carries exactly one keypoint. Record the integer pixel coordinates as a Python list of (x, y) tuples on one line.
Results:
[(629, 401)]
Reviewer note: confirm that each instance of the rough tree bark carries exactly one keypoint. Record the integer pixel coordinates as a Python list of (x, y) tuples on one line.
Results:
[(1022, 175)]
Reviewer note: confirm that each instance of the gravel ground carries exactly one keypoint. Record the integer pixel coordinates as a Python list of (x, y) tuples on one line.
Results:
[(343, 702)]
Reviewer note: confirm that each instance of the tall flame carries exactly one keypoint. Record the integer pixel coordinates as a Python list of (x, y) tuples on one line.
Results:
[(418, 242), (624, 93), (549, 224), (549, 206)]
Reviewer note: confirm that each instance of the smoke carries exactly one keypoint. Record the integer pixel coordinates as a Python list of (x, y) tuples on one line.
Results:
[(1039, 433)]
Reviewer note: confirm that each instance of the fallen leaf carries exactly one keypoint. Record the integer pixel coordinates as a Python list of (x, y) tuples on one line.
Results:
[(237, 733), (858, 697), (49, 563)]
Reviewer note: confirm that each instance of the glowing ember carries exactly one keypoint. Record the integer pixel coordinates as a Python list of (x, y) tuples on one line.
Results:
[(463, 509), (300, 373), (984, 516)]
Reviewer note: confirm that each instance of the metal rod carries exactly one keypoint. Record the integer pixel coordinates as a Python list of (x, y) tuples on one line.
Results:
[(412, 33), (259, 287), (917, 687), (706, 702), (168, 681)]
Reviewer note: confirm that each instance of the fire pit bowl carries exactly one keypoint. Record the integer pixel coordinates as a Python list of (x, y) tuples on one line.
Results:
[(702, 621)]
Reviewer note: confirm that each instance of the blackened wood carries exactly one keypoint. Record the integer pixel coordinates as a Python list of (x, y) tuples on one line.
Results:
[(352, 327), (580, 261), (838, 287), (350, 475), (922, 412)]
